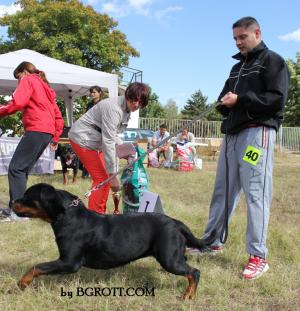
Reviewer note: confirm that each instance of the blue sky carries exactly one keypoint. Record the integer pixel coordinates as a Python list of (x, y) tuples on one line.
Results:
[(186, 45)]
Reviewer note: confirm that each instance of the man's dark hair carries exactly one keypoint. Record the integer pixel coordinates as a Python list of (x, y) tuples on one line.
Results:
[(245, 22), (163, 126), (138, 91)]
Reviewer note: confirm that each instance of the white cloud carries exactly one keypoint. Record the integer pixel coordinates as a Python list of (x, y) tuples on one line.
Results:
[(292, 36), (93, 2), (123, 8), (115, 9), (140, 3), (9, 9), (140, 6), (162, 13)]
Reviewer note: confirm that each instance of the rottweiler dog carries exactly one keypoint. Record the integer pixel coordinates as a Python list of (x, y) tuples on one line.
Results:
[(86, 238), (68, 159)]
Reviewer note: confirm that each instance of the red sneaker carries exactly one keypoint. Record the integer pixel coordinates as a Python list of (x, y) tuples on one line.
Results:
[(255, 268)]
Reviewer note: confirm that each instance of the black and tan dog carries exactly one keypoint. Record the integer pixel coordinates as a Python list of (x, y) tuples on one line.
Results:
[(85, 238), (68, 159)]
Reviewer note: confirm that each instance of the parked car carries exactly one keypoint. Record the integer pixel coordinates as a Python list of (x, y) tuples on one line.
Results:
[(133, 134)]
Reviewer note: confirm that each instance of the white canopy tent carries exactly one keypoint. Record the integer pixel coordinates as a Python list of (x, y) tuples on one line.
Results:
[(69, 81)]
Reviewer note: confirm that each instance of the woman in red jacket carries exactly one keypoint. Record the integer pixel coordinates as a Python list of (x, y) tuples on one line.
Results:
[(43, 124)]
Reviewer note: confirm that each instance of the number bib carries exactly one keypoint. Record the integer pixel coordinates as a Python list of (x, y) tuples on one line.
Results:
[(252, 155)]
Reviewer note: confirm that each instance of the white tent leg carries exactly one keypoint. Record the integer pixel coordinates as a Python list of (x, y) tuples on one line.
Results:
[(69, 110)]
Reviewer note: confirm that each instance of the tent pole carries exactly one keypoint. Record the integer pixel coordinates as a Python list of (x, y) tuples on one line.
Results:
[(69, 110)]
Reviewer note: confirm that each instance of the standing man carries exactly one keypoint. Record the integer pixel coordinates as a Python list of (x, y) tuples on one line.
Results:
[(252, 103), (166, 149)]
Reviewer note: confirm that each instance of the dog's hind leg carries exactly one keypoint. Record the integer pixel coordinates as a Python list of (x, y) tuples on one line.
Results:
[(175, 262), (192, 275), (193, 279)]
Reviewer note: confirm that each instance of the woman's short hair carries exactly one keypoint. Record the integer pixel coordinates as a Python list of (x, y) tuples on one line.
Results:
[(138, 91)]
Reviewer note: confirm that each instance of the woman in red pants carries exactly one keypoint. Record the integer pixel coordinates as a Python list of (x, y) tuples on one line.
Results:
[(94, 136)]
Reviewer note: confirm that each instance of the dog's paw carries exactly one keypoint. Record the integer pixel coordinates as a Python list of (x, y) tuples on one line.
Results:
[(23, 285), (187, 296)]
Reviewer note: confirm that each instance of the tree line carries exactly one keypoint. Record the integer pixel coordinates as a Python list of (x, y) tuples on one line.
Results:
[(75, 33)]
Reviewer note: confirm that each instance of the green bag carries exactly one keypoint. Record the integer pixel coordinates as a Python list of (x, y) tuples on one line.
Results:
[(134, 182)]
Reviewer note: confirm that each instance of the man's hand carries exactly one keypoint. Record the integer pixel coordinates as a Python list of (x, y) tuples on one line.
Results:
[(114, 184), (53, 146), (161, 149), (229, 100)]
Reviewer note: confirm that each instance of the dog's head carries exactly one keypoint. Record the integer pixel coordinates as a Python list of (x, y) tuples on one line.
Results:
[(39, 201), (69, 155)]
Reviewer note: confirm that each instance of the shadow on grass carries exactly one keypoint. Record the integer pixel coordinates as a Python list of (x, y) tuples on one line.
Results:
[(220, 260), (134, 275)]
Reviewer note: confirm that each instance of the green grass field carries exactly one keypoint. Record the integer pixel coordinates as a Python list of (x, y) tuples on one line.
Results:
[(185, 196)]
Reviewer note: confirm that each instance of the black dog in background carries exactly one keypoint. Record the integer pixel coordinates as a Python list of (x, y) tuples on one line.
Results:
[(85, 238), (68, 159)]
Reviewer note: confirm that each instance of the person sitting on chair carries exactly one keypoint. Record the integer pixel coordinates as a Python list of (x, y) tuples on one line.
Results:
[(186, 137), (166, 149)]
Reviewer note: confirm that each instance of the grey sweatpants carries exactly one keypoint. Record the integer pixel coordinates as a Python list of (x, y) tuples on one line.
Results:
[(254, 178)]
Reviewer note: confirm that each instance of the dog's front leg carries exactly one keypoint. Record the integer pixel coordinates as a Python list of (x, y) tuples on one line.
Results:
[(52, 267), (75, 171), (28, 277), (65, 175)]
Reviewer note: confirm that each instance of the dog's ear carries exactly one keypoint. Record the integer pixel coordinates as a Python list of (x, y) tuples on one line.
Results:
[(51, 202)]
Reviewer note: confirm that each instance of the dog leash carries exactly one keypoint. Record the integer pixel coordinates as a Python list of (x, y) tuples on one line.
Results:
[(224, 231), (130, 165)]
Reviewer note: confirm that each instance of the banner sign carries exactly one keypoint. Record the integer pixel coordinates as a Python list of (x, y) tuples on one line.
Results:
[(8, 145)]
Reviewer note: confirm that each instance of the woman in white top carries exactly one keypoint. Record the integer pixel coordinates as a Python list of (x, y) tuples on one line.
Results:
[(94, 136)]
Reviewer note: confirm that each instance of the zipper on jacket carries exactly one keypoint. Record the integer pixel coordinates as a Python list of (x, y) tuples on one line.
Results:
[(229, 117), (239, 75)]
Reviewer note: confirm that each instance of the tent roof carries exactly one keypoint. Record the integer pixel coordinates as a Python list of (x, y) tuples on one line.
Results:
[(66, 79)]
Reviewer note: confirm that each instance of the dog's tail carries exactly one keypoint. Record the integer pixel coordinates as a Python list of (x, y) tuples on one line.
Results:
[(192, 241)]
